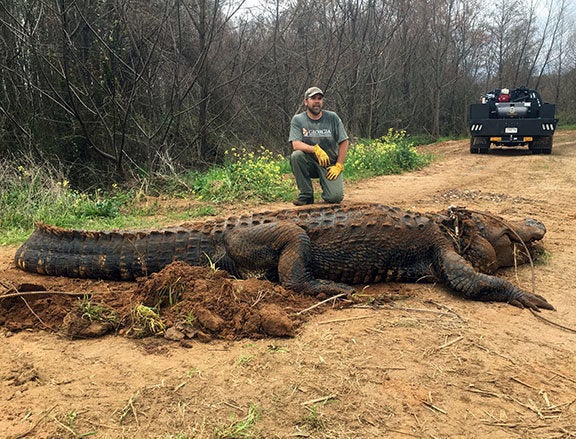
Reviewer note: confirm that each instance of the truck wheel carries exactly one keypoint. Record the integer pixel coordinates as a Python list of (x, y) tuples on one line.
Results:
[(541, 145), (473, 149), (546, 145), (479, 145)]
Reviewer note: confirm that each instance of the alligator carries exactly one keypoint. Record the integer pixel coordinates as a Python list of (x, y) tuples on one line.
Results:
[(317, 249)]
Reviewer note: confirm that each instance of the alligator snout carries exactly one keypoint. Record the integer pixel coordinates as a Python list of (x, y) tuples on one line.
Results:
[(532, 230)]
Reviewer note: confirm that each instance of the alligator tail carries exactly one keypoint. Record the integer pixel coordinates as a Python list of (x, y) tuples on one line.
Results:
[(112, 255)]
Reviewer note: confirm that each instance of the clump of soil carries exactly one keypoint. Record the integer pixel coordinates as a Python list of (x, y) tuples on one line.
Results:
[(180, 302), (204, 303)]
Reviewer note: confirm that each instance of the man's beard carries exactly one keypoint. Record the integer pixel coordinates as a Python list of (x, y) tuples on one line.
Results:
[(315, 110)]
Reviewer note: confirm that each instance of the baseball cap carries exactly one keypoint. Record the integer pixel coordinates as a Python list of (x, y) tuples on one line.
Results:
[(313, 91)]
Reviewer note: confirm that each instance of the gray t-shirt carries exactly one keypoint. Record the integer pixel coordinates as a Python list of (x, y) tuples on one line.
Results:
[(328, 132)]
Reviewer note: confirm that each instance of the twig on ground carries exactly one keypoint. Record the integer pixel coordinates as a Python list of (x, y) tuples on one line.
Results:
[(449, 343), (325, 322), (529, 407), (523, 383), (375, 330), (558, 325), (38, 422), (564, 404), (500, 424), (483, 392), (402, 432), (561, 376), (36, 315), (234, 406), (129, 407), (383, 367), (317, 400), (431, 311), (484, 348), (439, 305), (432, 406), (316, 305), (567, 433), (39, 293), (64, 426), (261, 295), (8, 287)]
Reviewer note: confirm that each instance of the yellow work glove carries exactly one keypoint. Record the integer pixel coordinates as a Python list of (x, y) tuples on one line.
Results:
[(321, 155), (334, 171)]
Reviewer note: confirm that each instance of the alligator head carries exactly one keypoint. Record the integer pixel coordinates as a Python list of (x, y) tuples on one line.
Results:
[(489, 242)]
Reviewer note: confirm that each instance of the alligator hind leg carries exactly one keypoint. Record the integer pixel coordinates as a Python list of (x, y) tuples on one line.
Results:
[(282, 248)]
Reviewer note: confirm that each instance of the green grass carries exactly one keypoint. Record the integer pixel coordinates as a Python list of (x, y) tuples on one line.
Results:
[(146, 321), (312, 419), (96, 312), (68, 423), (31, 192), (240, 428)]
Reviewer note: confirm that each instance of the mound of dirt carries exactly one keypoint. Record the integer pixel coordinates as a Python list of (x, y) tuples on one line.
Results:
[(205, 303), (181, 302)]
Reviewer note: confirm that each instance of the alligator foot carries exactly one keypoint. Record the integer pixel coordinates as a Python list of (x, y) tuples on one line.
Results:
[(531, 301)]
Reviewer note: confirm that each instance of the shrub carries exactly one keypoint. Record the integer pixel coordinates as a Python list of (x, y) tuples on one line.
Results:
[(244, 176), (390, 154), (31, 192)]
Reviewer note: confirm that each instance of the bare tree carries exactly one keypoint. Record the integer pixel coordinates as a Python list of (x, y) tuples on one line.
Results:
[(123, 85)]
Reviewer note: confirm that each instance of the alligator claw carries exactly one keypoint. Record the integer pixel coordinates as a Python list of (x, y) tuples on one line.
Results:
[(532, 301)]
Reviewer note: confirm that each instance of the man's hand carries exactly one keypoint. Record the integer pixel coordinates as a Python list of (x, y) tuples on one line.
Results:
[(321, 155), (334, 171)]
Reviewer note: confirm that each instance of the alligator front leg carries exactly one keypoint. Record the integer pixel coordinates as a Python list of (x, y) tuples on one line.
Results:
[(459, 275), (283, 249)]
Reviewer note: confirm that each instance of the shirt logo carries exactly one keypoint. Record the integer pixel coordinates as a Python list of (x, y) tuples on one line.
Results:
[(316, 133)]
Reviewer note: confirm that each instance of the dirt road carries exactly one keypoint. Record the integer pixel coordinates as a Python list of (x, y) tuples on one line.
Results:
[(429, 365)]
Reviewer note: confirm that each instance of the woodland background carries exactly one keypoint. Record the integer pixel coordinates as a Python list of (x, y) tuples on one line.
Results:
[(114, 88)]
